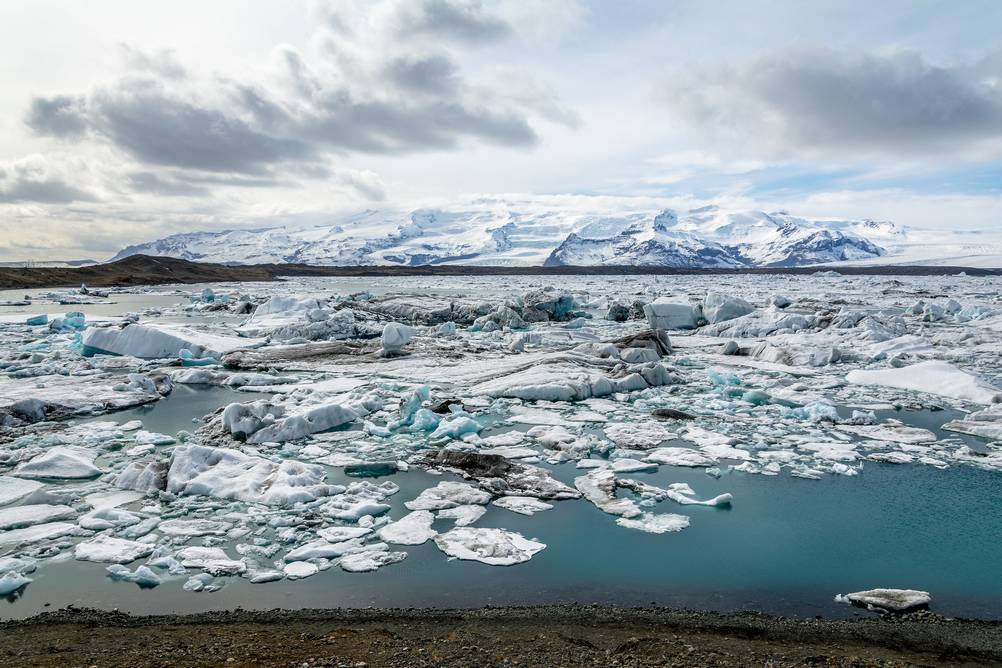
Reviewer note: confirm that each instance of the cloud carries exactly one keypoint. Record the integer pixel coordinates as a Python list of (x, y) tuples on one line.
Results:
[(60, 116), (816, 102), (463, 21), (35, 179), (385, 79)]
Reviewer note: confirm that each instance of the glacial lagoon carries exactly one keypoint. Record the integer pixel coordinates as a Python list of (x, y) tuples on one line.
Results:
[(835, 486)]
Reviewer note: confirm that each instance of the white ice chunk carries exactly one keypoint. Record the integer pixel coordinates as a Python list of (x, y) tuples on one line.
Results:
[(496, 547), (106, 549), (36, 533), (298, 570), (194, 527), (933, 377), (893, 600), (12, 489), (60, 462), (25, 516), (448, 494), (231, 474), (638, 435), (341, 534), (11, 582), (523, 505), (651, 523), (663, 314), (212, 560), (411, 529), (463, 515), (160, 341), (363, 562), (599, 487), (676, 456)]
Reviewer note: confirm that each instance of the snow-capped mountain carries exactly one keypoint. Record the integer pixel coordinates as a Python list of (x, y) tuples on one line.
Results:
[(709, 237), (493, 232)]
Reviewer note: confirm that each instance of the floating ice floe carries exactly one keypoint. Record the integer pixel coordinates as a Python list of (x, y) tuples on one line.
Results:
[(13, 489), (448, 494), (60, 462), (412, 529), (496, 547), (369, 560), (932, 377), (523, 505), (19, 517), (651, 523), (231, 474), (159, 341), (107, 549), (888, 600), (57, 397)]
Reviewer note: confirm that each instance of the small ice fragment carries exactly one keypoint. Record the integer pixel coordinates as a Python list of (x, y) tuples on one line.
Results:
[(297, 570), (363, 562), (651, 523), (523, 505)]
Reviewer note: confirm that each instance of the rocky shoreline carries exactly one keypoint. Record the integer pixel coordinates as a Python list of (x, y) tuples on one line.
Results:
[(530, 636)]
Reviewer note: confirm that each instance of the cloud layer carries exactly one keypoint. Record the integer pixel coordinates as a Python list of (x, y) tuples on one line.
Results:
[(387, 81), (812, 101)]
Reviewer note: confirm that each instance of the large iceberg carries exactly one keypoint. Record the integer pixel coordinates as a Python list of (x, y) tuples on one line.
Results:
[(932, 377), (159, 341)]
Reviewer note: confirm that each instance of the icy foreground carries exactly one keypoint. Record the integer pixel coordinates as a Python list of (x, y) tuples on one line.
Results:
[(529, 396)]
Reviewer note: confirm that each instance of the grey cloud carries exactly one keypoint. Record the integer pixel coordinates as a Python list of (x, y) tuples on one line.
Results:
[(461, 20), (150, 182), (816, 100), (367, 93), (432, 74), (162, 63), (58, 116), (159, 128), (257, 131), (42, 191)]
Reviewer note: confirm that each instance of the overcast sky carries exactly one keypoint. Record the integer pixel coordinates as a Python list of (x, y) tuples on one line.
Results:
[(124, 121)]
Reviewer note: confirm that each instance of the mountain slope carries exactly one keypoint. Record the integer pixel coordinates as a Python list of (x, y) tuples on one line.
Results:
[(493, 232)]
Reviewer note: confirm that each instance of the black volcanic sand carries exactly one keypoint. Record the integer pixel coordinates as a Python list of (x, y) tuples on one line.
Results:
[(147, 270), (542, 636)]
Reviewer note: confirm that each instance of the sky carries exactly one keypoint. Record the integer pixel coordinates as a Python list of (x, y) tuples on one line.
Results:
[(123, 122)]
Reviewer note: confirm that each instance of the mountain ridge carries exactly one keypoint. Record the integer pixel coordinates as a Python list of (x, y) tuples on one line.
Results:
[(507, 234)]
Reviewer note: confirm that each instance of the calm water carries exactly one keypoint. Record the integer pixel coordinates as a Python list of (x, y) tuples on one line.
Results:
[(787, 546)]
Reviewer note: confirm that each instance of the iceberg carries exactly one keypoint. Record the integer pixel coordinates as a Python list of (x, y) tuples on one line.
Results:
[(159, 341), (932, 377), (60, 463), (231, 474)]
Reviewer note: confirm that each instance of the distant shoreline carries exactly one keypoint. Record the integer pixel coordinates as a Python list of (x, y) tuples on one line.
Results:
[(535, 636), (148, 270)]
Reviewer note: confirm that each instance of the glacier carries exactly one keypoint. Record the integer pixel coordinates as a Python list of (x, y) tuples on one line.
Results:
[(512, 232)]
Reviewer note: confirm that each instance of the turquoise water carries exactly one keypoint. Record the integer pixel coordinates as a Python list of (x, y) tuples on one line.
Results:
[(787, 546)]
